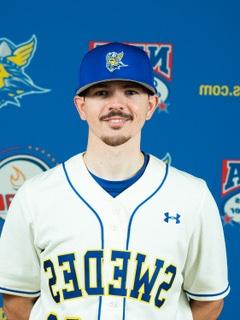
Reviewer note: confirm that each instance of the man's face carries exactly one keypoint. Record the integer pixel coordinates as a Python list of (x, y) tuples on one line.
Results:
[(116, 111)]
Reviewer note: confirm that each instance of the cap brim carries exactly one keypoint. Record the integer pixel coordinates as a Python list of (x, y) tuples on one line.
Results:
[(152, 89)]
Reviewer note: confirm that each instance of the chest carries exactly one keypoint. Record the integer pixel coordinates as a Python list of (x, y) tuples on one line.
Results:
[(158, 228)]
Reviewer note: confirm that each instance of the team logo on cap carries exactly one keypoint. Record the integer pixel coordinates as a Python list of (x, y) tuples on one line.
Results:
[(114, 61), (231, 191), (14, 82)]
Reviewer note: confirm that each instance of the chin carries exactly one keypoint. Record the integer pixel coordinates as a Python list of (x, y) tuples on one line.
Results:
[(115, 141)]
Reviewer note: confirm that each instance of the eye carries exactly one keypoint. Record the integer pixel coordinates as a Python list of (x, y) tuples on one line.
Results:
[(131, 92), (101, 93)]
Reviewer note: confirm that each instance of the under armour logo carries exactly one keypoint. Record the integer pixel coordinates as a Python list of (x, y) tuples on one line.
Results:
[(168, 217)]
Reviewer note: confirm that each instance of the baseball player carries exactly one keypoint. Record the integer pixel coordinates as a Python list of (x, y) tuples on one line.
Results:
[(113, 233)]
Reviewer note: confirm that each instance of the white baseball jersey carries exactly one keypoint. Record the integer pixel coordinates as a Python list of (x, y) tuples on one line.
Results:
[(89, 256)]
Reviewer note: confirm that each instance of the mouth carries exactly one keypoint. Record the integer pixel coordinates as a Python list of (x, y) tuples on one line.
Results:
[(116, 122), (116, 119)]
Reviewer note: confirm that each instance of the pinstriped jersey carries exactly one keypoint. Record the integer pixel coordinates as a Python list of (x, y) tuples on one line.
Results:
[(89, 256)]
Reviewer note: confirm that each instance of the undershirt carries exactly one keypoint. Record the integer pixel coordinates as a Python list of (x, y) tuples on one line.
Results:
[(114, 188)]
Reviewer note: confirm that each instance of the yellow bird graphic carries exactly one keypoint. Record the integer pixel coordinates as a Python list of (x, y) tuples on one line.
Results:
[(3, 75), (22, 55), (114, 61), (14, 82)]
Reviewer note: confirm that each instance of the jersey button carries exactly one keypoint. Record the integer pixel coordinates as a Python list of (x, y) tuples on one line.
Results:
[(113, 304), (114, 227)]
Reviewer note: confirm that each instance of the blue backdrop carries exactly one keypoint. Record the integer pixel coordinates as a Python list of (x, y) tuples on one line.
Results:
[(195, 52)]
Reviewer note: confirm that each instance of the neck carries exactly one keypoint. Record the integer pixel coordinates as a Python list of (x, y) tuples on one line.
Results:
[(114, 163)]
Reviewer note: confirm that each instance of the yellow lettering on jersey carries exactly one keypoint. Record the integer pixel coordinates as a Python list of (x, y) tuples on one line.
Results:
[(165, 286), (150, 277), (143, 280), (72, 289), (93, 272), (118, 285), (52, 316), (52, 282)]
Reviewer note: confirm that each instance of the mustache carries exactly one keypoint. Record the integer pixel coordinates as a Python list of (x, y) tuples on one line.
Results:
[(116, 113)]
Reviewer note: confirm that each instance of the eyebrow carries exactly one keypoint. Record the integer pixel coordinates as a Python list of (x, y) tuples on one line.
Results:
[(125, 86), (100, 85), (132, 85)]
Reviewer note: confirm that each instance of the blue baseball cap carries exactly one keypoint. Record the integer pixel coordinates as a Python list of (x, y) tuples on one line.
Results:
[(115, 62)]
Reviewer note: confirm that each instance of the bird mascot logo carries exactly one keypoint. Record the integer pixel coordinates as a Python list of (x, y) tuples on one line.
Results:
[(14, 82), (114, 61)]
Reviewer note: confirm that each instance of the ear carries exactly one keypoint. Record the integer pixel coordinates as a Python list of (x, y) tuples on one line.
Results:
[(153, 102), (80, 103)]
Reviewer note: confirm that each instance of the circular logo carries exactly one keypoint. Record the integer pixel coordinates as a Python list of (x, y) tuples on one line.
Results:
[(232, 209)]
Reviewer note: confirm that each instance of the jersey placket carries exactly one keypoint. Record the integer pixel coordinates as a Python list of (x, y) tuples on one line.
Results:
[(115, 230)]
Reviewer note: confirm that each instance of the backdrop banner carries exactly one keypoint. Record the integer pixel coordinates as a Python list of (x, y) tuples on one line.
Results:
[(195, 54)]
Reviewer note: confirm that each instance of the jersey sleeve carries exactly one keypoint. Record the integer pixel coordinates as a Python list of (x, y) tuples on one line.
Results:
[(19, 262), (205, 272)]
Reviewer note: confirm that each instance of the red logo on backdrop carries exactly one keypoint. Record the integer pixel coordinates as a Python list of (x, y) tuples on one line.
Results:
[(5, 201), (230, 176), (231, 191), (161, 55)]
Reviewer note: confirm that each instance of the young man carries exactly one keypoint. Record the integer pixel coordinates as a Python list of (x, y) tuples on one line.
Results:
[(113, 233)]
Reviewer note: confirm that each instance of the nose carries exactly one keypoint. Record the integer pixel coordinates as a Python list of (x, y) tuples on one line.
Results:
[(115, 106), (116, 101)]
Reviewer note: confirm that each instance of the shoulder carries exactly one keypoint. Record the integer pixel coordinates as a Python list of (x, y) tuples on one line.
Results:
[(178, 179), (43, 179), (47, 181)]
